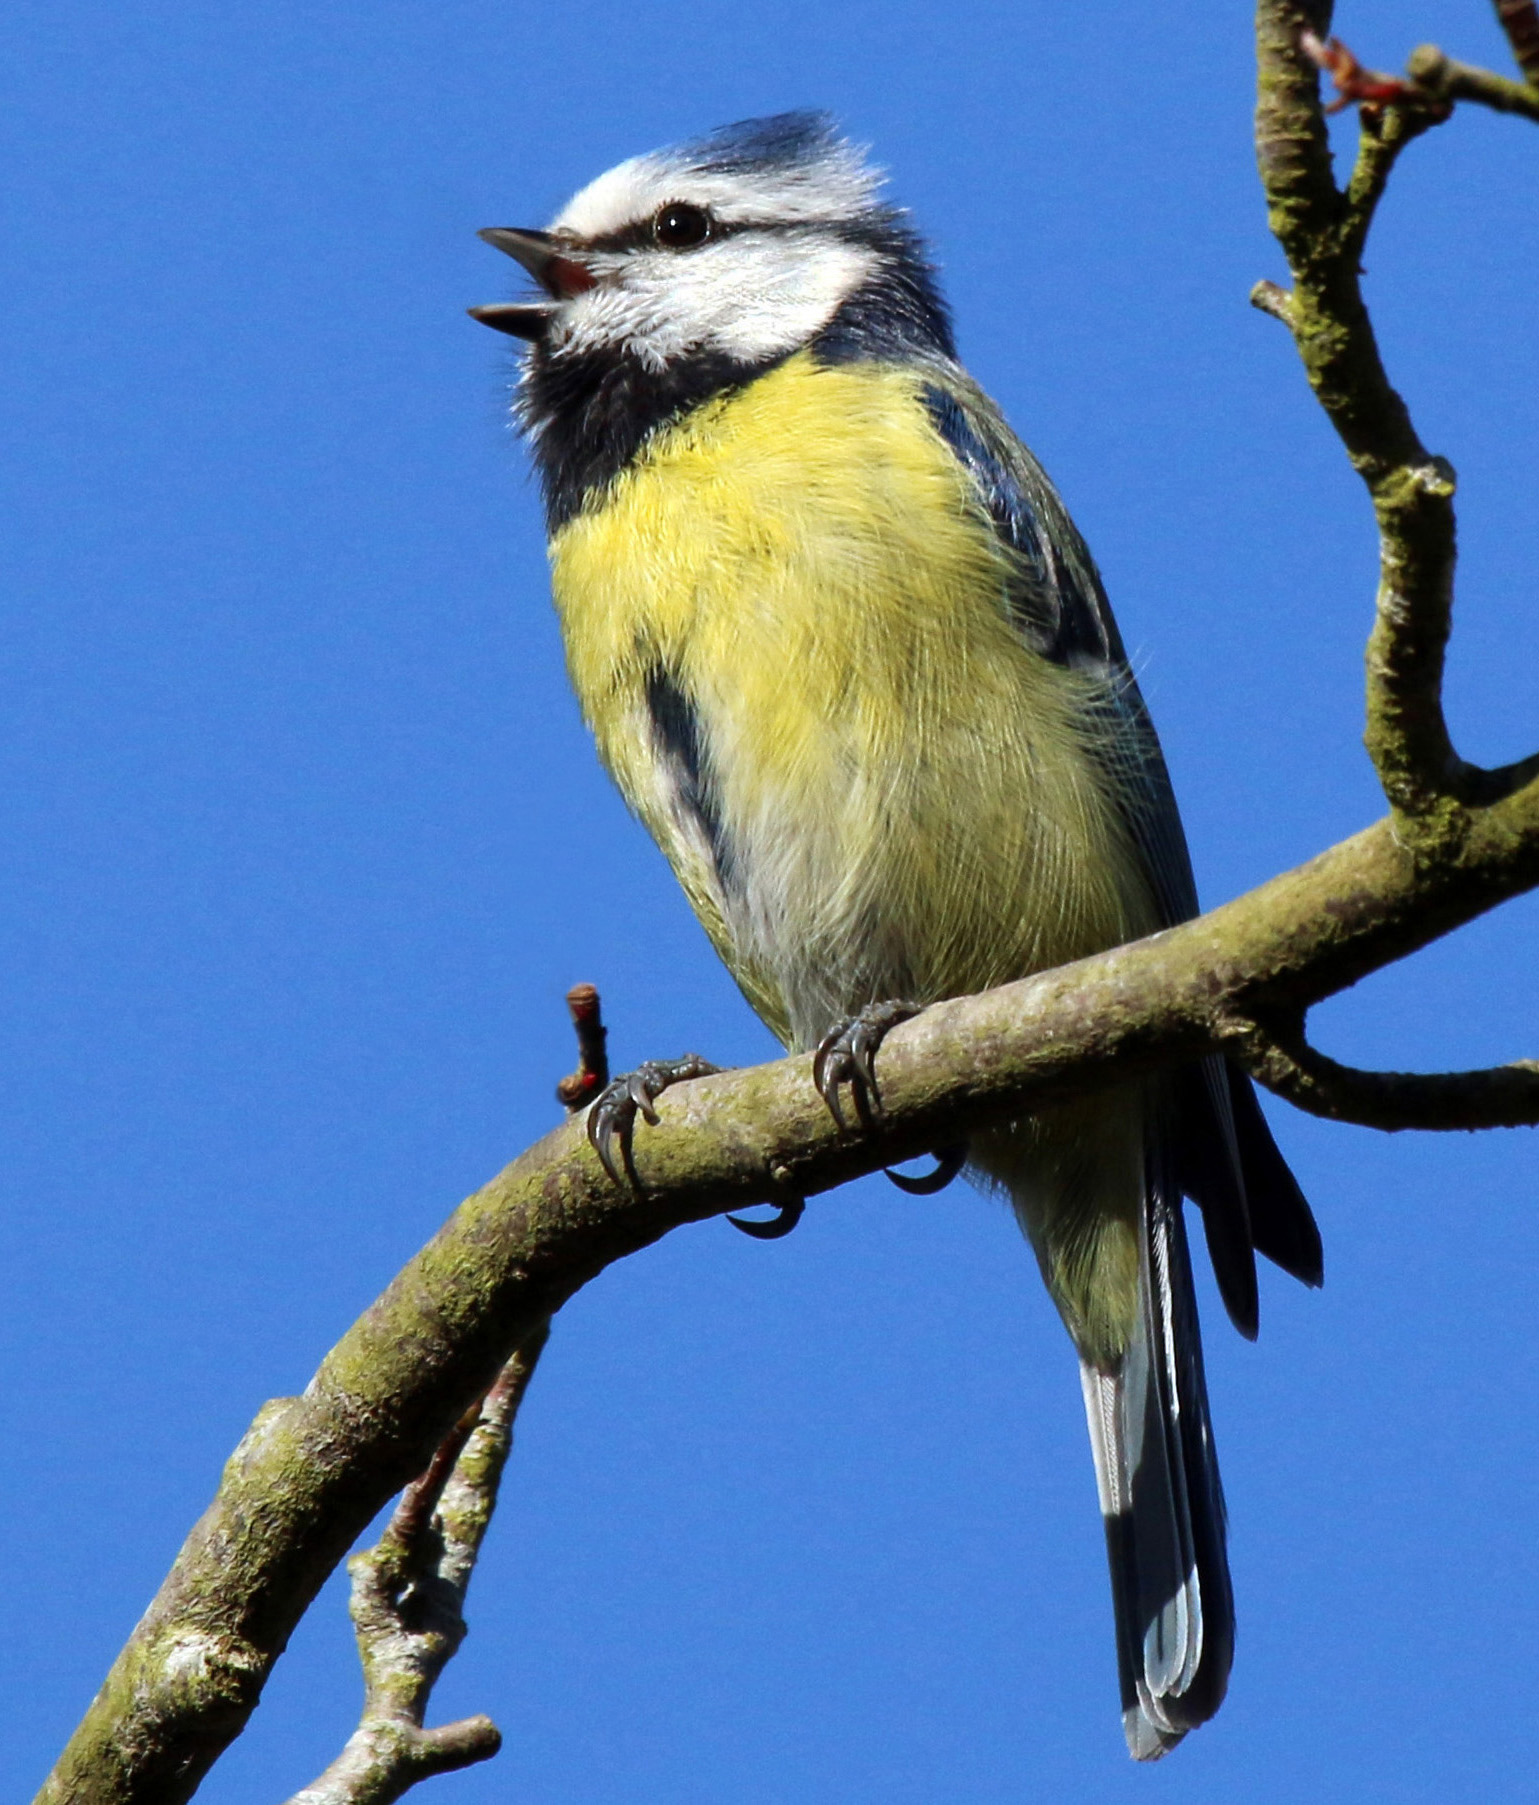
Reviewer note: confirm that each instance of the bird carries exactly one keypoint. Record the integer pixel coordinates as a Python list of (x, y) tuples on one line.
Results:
[(850, 662)]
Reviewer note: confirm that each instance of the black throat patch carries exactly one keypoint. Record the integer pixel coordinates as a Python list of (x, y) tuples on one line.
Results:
[(588, 415)]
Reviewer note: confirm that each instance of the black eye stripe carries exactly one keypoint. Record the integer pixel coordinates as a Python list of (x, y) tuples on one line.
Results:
[(642, 236)]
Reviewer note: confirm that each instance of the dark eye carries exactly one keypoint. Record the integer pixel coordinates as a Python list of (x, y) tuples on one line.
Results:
[(680, 227)]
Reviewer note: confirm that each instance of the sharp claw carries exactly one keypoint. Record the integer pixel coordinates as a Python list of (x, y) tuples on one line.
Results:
[(601, 1137), (778, 1227), (863, 1046), (826, 1083), (639, 1088), (948, 1162), (830, 1094)]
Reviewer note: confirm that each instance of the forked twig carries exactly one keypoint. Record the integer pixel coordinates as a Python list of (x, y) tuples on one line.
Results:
[(408, 1608)]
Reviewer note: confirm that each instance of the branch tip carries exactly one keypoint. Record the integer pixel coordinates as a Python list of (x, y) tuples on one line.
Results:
[(1452, 81), (462, 1744), (1371, 89), (579, 1088), (1267, 297)]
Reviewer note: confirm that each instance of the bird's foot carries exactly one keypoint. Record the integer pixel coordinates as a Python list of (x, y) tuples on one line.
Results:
[(847, 1055), (612, 1118)]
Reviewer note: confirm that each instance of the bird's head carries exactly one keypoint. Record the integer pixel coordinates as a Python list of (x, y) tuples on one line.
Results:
[(739, 247)]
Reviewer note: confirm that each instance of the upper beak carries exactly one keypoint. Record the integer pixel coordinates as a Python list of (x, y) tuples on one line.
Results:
[(551, 262), (548, 259)]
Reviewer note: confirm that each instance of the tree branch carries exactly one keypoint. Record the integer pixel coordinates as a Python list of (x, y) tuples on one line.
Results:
[(408, 1608), (1278, 1055), (1323, 231), (313, 1470), (409, 1589)]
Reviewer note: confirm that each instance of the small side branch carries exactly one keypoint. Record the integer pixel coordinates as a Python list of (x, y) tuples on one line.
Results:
[(1520, 20), (1384, 132), (580, 1087), (1267, 297), (408, 1608), (1281, 1058), (1323, 230), (1453, 80)]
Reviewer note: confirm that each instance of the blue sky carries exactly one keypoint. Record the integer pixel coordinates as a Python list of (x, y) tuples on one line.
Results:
[(303, 843)]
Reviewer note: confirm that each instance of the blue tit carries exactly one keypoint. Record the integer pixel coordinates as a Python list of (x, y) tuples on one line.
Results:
[(848, 659)]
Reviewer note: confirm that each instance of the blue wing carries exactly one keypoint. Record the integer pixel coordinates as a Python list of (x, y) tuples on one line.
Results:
[(1223, 1153), (1061, 609)]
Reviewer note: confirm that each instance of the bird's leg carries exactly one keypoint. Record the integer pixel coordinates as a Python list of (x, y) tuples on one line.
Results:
[(612, 1119), (847, 1055)]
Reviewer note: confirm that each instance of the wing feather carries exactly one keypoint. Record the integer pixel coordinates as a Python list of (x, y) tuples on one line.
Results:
[(1221, 1147)]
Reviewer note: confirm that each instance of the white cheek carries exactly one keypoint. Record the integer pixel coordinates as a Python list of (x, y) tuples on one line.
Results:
[(747, 298), (777, 296)]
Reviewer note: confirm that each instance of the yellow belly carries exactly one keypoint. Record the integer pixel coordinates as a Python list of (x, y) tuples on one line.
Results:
[(911, 794)]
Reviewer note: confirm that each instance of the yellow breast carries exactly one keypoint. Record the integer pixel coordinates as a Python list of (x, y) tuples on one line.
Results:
[(910, 793)]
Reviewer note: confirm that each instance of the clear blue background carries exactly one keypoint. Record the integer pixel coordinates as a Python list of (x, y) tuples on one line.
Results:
[(303, 843)]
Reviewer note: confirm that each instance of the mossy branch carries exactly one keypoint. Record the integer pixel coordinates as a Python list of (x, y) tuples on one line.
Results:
[(1323, 230), (313, 1470), (409, 1590), (408, 1607)]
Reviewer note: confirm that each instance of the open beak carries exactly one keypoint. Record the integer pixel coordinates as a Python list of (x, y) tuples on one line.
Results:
[(550, 261)]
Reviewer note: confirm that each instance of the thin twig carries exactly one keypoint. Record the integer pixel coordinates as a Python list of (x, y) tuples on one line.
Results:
[(1323, 231), (1444, 75), (1385, 132), (580, 1087), (1520, 20), (1279, 1056), (408, 1608), (1371, 89)]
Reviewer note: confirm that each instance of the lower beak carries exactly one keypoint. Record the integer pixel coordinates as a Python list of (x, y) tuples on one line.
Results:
[(522, 319)]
